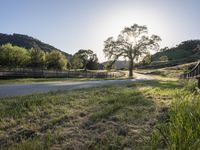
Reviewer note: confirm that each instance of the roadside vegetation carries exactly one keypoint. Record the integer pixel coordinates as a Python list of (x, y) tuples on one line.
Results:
[(170, 72), (35, 80), (184, 53), (40, 80), (180, 129), (141, 115), (18, 57)]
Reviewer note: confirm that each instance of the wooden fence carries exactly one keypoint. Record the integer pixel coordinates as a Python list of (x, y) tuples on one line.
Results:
[(53, 74), (194, 73)]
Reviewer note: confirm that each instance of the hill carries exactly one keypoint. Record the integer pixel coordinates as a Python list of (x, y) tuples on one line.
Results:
[(27, 42), (185, 52)]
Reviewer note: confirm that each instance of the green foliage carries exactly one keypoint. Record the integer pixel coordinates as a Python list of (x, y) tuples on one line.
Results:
[(163, 58), (56, 60), (77, 62), (85, 59), (108, 66), (182, 131), (146, 60), (13, 56), (26, 42), (185, 52), (189, 84), (37, 58)]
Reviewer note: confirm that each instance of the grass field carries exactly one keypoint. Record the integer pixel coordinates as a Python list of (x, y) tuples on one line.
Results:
[(36, 80), (135, 116)]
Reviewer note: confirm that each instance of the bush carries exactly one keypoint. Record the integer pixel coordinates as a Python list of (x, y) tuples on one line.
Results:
[(56, 60)]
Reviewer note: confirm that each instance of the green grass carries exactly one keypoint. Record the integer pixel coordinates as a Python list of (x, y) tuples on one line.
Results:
[(181, 129), (35, 80), (134, 116)]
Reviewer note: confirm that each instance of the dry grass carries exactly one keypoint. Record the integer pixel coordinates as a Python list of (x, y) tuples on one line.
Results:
[(114, 117)]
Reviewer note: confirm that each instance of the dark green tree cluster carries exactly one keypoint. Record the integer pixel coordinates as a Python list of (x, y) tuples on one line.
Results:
[(14, 56), (85, 59)]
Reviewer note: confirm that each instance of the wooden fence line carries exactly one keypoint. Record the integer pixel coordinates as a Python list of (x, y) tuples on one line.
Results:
[(48, 74), (194, 73)]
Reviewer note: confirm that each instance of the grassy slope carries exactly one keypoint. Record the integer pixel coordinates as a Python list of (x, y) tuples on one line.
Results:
[(170, 72), (185, 52), (113, 117)]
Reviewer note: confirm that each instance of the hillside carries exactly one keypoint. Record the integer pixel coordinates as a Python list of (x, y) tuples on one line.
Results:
[(185, 52), (27, 42)]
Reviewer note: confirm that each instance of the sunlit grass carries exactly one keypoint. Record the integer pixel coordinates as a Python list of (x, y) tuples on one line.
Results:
[(141, 115), (36, 80)]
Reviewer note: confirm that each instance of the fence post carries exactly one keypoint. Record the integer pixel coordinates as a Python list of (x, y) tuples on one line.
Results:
[(198, 82)]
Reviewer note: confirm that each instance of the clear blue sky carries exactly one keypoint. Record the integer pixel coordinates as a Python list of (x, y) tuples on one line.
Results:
[(71, 25)]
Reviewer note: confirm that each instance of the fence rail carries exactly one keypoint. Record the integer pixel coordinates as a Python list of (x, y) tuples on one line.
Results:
[(47, 74), (194, 73)]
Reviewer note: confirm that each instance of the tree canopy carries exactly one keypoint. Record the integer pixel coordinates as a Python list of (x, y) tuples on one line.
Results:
[(13, 56), (37, 58), (132, 43), (56, 60), (85, 59)]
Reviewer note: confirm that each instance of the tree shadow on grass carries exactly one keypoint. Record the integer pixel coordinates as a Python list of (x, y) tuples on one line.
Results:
[(158, 84), (121, 120)]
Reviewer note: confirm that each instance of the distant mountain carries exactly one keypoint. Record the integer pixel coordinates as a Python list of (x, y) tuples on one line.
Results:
[(186, 52), (27, 42), (118, 64)]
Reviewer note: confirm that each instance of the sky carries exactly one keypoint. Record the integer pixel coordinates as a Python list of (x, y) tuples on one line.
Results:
[(71, 25)]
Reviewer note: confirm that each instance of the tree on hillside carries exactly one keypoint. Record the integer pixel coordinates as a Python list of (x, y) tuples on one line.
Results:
[(147, 59), (164, 49), (37, 58), (56, 60), (13, 56), (85, 59), (132, 43), (163, 58)]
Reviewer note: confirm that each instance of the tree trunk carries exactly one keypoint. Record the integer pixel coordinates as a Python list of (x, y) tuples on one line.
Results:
[(130, 68), (85, 69)]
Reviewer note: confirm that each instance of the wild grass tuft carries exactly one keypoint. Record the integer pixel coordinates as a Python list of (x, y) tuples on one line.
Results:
[(182, 130)]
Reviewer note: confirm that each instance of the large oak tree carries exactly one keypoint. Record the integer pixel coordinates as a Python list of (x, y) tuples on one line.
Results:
[(132, 43)]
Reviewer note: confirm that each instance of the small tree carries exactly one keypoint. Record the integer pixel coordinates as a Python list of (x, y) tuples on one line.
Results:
[(56, 60), (85, 59), (131, 43), (147, 59), (37, 58), (163, 58)]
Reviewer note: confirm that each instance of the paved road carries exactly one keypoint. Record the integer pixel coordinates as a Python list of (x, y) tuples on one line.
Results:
[(7, 90)]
